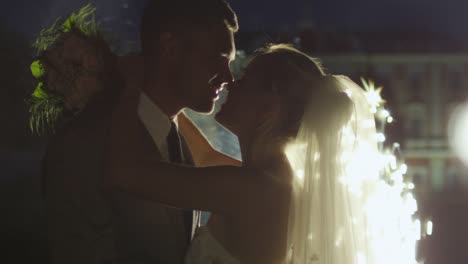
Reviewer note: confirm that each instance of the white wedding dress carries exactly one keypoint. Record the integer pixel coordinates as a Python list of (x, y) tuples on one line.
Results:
[(205, 249)]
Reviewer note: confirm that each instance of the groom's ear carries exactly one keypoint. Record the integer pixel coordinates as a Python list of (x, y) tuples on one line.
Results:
[(169, 46)]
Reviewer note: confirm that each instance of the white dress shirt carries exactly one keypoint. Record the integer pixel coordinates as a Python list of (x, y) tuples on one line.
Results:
[(158, 126), (156, 123)]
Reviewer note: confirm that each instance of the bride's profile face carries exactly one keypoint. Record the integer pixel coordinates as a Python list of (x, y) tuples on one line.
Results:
[(250, 99)]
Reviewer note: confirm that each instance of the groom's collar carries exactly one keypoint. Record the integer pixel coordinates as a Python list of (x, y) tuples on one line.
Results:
[(156, 122)]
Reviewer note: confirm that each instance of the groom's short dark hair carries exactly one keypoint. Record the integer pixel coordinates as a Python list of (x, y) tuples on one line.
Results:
[(160, 15)]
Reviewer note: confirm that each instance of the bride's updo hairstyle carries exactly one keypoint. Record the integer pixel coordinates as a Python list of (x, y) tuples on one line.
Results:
[(302, 87)]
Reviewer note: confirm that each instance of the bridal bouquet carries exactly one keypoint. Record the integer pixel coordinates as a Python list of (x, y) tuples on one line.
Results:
[(72, 61)]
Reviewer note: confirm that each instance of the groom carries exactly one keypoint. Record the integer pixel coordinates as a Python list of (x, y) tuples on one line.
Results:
[(186, 50)]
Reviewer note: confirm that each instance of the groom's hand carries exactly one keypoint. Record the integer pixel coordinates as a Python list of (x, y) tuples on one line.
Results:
[(203, 154)]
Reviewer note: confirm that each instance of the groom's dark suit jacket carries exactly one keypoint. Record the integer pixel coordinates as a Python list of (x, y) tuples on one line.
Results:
[(90, 225)]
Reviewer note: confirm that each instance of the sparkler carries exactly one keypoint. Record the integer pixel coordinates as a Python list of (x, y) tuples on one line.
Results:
[(391, 206), (383, 206)]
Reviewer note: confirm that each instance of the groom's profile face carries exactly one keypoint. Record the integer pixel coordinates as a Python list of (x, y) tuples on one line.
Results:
[(205, 66)]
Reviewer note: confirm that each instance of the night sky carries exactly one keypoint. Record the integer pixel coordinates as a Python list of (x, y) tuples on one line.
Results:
[(449, 16)]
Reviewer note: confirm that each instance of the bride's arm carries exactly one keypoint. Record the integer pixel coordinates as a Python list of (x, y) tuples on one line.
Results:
[(225, 189)]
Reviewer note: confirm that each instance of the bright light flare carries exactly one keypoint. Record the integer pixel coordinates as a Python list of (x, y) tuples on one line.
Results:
[(373, 95)]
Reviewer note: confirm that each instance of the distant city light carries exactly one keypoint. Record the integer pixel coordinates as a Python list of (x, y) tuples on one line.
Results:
[(458, 132), (429, 228)]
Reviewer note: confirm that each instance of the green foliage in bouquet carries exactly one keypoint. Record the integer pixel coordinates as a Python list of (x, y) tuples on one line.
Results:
[(83, 21), (45, 109), (47, 106)]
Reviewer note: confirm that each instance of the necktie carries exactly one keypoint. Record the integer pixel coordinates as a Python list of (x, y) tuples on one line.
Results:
[(173, 145), (175, 156)]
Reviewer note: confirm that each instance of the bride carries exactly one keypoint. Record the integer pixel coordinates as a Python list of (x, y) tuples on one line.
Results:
[(287, 202)]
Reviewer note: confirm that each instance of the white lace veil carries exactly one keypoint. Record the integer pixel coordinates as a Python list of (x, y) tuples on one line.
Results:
[(334, 177)]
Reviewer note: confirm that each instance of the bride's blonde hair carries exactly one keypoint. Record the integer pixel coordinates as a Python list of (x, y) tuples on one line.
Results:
[(300, 81)]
